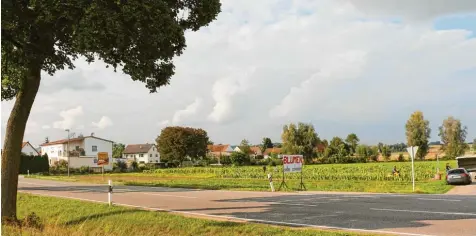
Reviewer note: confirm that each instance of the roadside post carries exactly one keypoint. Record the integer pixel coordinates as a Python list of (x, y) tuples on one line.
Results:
[(28, 172), (109, 193), (412, 151), (270, 178)]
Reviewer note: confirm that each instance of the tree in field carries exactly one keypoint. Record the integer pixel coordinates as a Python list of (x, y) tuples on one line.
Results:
[(245, 147), (266, 143), (140, 37), (238, 158), (474, 145), (352, 140), (176, 144), (117, 149), (418, 132), (300, 139), (453, 136), (386, 153)]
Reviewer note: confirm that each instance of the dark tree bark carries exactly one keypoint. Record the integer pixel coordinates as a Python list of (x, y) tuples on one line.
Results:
[(14, 138)]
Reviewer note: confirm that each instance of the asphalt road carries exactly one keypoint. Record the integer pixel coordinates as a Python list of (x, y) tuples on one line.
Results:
[(372, 213)]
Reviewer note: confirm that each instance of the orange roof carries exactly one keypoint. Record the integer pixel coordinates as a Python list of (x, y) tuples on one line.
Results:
[(255, 149), (272, 150), (217, 148)]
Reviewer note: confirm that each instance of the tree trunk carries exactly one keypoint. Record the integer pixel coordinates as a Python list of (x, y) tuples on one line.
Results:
[(13, 141)]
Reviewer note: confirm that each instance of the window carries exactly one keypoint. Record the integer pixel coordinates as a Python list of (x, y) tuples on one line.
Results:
[(77, 148), (153, 149), (150, 155), (156, 155), (156, 161), (95, 148), (59, 153), (141, 155)]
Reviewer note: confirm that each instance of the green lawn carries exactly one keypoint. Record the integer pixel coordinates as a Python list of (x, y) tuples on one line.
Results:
[(71, 217)]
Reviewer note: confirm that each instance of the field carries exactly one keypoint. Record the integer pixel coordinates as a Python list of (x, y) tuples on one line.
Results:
[(70, 217), (367, 177)]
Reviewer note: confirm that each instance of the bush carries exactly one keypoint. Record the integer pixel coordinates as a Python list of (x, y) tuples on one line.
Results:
[(84, 169), (400, 157), (32, 221), (225, 160), (119, 166), (238, 158)]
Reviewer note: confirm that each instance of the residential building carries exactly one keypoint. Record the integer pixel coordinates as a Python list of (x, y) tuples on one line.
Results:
[(142, 153), (220, 150), (83, 151), (267, 153), (28, 149), (254, 151)]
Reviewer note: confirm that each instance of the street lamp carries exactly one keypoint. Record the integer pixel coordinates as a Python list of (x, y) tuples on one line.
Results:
[(67, 150)]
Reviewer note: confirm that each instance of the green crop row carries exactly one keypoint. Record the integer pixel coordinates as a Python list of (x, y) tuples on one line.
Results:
[(362, 171)]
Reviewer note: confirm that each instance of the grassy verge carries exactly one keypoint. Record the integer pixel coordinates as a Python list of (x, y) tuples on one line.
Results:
[(430, 187), (70, 217)]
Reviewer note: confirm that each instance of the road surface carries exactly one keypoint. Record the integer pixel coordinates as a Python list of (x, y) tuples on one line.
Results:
[(369, 213)]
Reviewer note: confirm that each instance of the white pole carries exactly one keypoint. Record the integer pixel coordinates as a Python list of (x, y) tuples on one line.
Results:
[(28, 172), (109, 194), (270, 178), (413, 169)]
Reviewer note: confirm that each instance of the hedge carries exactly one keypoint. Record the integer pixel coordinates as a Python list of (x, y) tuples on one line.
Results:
[(36, 164)]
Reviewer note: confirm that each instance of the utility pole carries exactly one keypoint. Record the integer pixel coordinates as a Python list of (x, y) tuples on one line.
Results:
[(67, 150)]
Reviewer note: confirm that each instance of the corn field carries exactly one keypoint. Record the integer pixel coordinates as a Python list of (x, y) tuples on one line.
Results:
[(358, 172)]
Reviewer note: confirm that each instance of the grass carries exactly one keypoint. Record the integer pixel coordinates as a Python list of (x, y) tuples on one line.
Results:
[(363, 177), (71, 217)]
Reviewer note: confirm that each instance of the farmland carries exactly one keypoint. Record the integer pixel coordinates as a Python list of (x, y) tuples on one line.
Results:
[(368, 177)]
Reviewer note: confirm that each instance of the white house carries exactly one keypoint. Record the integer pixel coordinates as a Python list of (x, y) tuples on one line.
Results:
[(28, 149), (142, 153), (83, 151)]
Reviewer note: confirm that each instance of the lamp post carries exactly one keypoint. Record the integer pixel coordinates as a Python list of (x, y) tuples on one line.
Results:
[(67, 150)]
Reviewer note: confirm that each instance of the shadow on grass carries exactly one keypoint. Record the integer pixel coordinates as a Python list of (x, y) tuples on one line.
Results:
[(98, 216)]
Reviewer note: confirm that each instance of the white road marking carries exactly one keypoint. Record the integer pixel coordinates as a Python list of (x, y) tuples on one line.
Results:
[(242, 219), (436, 199), (428, 212)]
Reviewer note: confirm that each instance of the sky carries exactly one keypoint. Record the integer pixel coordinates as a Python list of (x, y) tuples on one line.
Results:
[(346, 66)]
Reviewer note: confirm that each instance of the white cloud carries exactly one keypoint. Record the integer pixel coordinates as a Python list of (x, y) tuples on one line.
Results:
[(347, 66), (69, 118), (224, 90), (190, 110), (45, 127), (415, 10), (104, 122)]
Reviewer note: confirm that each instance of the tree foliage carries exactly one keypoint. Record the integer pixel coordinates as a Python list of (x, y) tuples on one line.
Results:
[(352, 140), (245, 147), (239, 158), (417, 133), (177, 143), (453, 136), (266, 143), (300, 139), (386, 153), (474, 145), (117, 150), (139, 37)]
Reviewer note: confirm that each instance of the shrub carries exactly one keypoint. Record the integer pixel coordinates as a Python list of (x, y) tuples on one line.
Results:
[(32, 221), (84, 169), (119, 166), (238, 158), (225, 160), (400, 157)]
